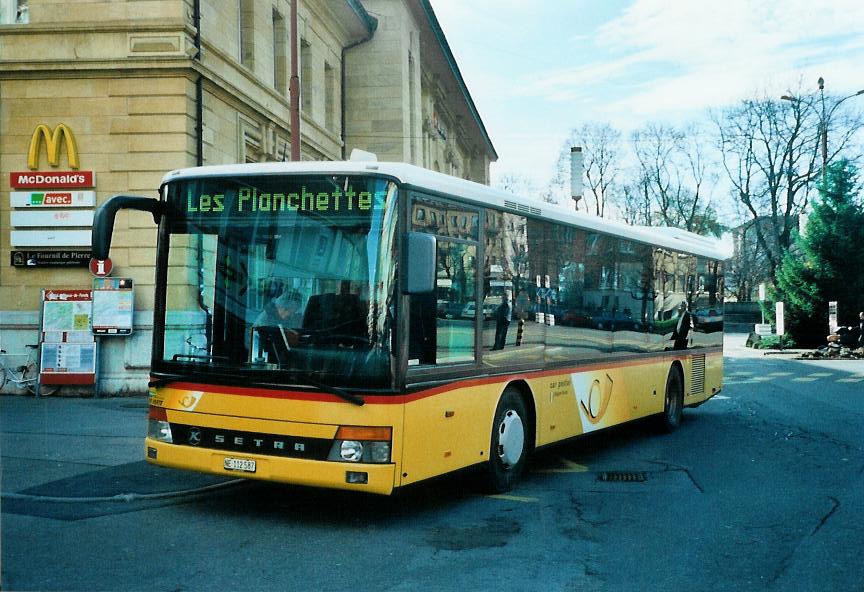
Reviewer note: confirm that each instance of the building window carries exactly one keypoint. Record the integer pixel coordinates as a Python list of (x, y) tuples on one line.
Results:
[(14, 12), (246, 20), (329, 97), (280, 53), (305, 76)]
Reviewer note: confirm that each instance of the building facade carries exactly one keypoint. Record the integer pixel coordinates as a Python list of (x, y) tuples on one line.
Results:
[(118, 92)]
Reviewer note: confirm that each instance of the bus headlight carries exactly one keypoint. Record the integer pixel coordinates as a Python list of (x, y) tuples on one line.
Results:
[(362, 445), (159, 430), (351, 450), (158, 427)]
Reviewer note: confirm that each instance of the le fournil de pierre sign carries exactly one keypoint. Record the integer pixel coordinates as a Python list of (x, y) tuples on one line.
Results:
[(68, 258)]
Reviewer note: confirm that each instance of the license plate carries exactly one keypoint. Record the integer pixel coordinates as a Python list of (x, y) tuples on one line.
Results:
[(239, 464)]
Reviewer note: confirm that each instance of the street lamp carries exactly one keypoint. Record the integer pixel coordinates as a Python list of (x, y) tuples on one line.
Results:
[(824, 118)]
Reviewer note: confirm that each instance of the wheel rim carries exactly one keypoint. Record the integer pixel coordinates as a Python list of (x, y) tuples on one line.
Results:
[(511, 439)]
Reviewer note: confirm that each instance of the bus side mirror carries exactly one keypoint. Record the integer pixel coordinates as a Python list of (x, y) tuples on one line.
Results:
[(418, 271), (103, 219)]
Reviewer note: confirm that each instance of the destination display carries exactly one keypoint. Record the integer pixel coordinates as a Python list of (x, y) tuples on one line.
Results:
[(216, 203), (250, 200)]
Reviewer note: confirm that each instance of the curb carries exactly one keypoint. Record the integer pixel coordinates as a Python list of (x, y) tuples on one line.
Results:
[(122, 497)]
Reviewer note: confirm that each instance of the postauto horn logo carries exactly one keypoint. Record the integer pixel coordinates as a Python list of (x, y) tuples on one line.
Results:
[(52, 145)]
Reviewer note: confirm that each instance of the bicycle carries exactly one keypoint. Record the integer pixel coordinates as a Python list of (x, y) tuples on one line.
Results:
[(25, 375)]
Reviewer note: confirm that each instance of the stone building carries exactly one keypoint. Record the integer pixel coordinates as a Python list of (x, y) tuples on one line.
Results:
[(142, 87)]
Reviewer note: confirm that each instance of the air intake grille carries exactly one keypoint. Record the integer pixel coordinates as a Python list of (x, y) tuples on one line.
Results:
[(697, 378), (522, 207)]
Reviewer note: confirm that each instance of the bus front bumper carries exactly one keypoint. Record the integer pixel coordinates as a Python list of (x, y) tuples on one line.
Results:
[(371, 478)]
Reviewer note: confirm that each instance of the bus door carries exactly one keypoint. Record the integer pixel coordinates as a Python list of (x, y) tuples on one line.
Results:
[(443, 323)]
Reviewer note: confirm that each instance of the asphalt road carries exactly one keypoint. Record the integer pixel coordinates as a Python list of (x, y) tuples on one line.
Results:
[(762, 488)]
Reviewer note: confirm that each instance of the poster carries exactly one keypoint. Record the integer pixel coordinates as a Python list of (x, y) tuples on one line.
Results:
[(68, 348), (113, 306)]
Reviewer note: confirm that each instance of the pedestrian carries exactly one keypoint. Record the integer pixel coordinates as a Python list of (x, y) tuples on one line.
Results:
[(682, 329), (861, 330), (503, 316), (282, 311)]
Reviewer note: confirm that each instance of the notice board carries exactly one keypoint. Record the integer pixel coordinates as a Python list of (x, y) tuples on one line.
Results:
[(67, 344), (113, 306)]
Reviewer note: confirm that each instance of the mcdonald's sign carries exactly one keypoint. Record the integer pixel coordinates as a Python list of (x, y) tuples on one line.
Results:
[(53, 140), (52, 145)]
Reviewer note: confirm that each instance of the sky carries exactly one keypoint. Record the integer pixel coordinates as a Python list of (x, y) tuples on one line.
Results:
[(537, 69)]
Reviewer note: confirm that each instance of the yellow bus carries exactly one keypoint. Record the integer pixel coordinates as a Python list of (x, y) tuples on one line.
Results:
[(366, 326)]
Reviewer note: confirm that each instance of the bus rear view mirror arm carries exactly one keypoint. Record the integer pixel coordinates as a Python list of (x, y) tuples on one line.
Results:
[(103, 219), (419, 269)]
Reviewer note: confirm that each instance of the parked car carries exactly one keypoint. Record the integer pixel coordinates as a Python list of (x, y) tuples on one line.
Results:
[(470, 310), (449, 310), (615, 321), (575, 318), (707, 320)]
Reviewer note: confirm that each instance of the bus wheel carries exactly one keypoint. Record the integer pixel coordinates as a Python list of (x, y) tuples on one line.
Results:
[(673, 401), (509, 448)]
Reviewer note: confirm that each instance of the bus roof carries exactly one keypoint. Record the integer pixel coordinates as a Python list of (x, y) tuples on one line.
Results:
[(423, 179)]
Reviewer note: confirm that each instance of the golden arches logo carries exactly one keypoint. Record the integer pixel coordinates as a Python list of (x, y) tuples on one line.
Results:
[(52, 145)]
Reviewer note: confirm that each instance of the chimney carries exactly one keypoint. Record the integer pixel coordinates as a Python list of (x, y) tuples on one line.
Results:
[(576, 174)]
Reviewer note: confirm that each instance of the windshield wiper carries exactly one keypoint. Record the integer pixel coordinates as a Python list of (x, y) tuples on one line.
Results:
[(194, 357), (342, 394)]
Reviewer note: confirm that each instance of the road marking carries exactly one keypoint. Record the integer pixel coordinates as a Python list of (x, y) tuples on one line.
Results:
[(850, 379), (568, 467), (719, 398), (805, 379), (820, 374), (780, 374), (513, 498)]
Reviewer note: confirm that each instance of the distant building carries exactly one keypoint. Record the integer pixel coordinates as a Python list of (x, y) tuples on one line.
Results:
[(130, 90), (750, 264)]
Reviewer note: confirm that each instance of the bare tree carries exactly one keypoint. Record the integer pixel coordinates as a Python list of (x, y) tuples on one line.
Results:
[(771, 154), (520, 185), (770, 150), (675, 174), (634, 204)]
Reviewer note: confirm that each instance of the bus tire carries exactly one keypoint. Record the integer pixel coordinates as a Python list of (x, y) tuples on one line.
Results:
[(509, 447), (673, 400)]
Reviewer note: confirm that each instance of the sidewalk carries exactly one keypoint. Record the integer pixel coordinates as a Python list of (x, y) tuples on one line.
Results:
[(734, 346), (70, 458)]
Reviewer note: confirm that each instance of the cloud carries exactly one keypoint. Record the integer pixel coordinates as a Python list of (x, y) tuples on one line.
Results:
[(667, 55)]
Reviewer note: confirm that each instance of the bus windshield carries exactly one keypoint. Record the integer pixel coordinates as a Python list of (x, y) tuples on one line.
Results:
[(277, 279)]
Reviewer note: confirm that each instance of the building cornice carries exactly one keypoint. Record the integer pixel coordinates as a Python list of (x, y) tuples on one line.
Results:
[(457, 75), (369, 21)]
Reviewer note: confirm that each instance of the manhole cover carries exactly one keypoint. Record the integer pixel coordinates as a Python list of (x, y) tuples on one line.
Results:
[(619, 476)]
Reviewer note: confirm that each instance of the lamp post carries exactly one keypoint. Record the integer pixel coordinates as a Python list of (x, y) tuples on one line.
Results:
[(824, 118)]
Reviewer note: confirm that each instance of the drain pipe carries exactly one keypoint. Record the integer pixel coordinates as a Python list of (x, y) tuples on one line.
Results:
[(199, 159), (199, 86), (294, 87)]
